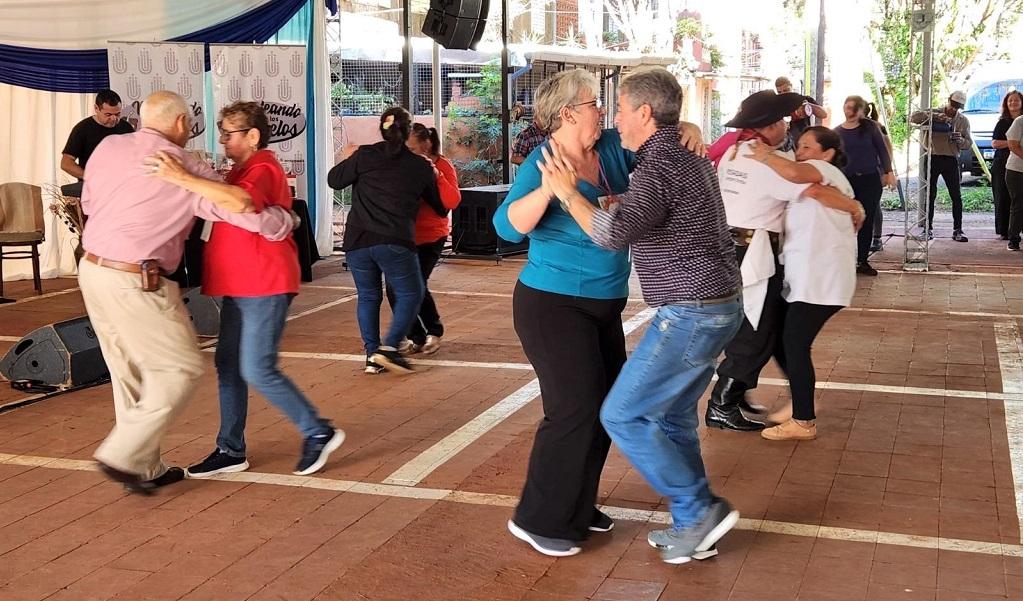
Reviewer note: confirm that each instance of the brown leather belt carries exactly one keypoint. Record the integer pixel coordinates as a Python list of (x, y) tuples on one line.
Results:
[(742, 236), (118, 265)]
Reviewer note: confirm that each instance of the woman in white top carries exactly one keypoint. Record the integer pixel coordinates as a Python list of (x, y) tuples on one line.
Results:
[(819, 254)]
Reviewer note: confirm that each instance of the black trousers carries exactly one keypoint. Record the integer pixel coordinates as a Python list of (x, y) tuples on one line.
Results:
[(429, 319), (949, 170), (750, 350), (577, 348), (1014, 185), (803, 321), (866, 189), (1000, 192)]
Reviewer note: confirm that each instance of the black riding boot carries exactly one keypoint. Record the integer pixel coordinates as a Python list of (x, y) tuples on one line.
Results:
[(723, 409)]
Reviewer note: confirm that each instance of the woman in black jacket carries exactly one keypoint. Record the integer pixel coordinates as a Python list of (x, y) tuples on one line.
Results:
[(389, 183), (1012, 107)]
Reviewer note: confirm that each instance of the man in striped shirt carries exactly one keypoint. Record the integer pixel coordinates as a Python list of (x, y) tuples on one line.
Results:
[(673, 217)]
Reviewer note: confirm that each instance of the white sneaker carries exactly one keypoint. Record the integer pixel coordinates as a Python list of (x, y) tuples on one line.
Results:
[(432, 345), (407, 347)]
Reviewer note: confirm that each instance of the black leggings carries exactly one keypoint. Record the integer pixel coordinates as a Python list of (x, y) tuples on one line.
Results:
[(577, 348), (428, 321), (803, 321)]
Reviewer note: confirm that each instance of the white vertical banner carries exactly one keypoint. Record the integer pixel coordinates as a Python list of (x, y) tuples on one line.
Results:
[(137, 69), (275, 77)]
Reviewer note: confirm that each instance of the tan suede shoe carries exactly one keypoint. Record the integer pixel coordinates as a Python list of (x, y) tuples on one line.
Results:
[(790, 430)]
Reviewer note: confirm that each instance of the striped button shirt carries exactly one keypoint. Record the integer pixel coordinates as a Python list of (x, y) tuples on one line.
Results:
[(674, 218)]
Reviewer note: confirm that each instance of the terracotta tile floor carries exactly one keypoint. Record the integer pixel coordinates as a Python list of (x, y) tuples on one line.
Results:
[(908, 494)]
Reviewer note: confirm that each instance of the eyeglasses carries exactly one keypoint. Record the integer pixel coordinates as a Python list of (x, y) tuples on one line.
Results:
[(595, 102), (225, 133)]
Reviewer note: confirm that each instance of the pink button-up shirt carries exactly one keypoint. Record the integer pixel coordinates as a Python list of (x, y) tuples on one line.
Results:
[(134, 216)]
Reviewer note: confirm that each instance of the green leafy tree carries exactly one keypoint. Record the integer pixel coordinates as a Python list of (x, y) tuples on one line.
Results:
[(478, 128)]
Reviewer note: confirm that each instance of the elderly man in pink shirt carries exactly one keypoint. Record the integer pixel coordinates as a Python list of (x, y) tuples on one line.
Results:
[(135, 235)]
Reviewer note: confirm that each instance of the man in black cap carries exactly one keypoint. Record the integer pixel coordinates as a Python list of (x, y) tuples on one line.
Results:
[(755, 198)]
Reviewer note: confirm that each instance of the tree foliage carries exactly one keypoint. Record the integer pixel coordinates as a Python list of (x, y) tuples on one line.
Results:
[(966, 31)]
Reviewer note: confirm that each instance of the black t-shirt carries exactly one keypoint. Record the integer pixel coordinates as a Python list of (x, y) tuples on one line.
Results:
[(1001, 128), (86, 136)]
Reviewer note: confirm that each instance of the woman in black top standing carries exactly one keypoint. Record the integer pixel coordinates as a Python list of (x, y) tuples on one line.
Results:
[(389, 183), (868, 159), (1012, 107)]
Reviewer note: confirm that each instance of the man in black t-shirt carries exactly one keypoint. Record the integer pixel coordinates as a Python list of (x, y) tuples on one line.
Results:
[(89, 132), (802, 117)]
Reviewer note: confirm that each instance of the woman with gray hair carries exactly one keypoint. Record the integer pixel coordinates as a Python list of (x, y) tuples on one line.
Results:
[(567, 309)]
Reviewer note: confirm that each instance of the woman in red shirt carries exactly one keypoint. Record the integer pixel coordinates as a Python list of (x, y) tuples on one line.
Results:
[(257, 279), (431, 235)]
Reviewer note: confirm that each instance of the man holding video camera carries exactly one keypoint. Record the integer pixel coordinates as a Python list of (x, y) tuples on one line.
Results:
[(950, 133)]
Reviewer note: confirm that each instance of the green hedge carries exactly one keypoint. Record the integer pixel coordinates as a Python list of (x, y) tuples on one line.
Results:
[(976, 199)]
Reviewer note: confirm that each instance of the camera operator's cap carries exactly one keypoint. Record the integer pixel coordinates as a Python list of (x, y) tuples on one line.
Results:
[(958, 96), (764, 108)]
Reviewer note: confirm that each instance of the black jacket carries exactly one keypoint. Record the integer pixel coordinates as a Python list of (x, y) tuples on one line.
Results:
[(386, 195)]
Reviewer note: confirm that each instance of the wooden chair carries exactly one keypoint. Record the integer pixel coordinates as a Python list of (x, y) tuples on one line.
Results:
[(21, 224)]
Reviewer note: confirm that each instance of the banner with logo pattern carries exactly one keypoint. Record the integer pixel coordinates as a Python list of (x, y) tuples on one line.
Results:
[(275, 77), (137, 69)]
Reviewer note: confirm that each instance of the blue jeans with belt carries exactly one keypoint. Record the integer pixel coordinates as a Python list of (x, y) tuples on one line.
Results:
[(250, 334), (651, 411), (400, 266)]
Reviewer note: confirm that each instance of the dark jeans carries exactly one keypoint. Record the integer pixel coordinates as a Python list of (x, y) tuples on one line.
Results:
[(250, 334), (1014, 184), (866, 189), (949, 170), (577, 347), (428, 322), (1000, 192), (750, 350), (803, 321), (401, 268)]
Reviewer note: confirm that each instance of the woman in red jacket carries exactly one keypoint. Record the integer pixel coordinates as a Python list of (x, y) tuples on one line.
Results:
[(257, 279), (431, 234)]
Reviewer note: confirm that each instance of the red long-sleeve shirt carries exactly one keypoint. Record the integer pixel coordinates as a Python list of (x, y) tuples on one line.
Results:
[(431, 227)]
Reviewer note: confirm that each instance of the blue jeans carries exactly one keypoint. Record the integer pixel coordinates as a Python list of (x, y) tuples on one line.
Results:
[(650, 412), (250, 334), (400, 266)]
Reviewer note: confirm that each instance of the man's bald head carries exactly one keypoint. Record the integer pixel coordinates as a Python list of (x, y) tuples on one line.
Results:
[(167, 113)]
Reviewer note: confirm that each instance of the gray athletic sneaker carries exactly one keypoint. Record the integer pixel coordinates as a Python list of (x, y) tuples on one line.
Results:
[(662, 539), (682, 544), (555, 547)]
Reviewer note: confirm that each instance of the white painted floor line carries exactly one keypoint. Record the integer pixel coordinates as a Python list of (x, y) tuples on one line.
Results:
[(620, 513), (952, 313), (9, 338), (318, 308), (1012, 397), (413, 360), (980, 274), (443, 292), (1010, 361), (425, 463), (29, 299)]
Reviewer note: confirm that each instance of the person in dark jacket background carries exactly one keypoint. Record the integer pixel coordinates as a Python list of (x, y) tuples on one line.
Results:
[(388, 182), (1012, 107)]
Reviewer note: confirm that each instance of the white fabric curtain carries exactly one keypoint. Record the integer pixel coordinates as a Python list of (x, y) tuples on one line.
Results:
[(33, 128), (84, 25), (324, 156)]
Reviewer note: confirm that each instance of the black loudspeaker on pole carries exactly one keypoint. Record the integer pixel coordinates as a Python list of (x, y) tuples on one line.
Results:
[(456, 24)]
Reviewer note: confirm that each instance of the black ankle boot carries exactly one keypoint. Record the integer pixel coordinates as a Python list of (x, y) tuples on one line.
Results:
[(723, 408), (731, 391)]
